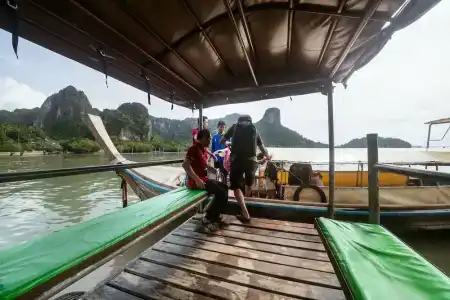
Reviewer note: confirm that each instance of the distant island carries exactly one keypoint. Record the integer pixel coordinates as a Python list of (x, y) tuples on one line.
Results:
[(382, 143), (60, 125)]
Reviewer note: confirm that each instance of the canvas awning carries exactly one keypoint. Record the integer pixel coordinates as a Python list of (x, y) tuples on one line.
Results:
[(215, 51)]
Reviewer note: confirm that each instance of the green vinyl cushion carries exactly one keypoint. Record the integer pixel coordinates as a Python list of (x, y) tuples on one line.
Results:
[(28, 265), (377, 265)]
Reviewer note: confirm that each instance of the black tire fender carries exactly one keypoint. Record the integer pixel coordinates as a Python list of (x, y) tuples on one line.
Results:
[(323, 198)]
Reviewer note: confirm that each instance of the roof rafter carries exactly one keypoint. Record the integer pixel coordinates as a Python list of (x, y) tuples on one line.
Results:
[(205, 35), (289, 32), (133, 15), (81, 48), (330, 34), (369, 12), (154, 60), (241, 41), (247, 31), (99, 42), (299, 7)]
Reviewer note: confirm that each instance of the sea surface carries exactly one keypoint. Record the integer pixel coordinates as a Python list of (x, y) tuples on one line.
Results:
[(34, 208)]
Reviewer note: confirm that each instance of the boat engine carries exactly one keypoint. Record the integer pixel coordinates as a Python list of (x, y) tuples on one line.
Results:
[(300, 173)]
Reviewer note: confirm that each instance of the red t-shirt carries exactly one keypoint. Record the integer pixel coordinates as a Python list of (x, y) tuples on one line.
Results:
[(198, 158)]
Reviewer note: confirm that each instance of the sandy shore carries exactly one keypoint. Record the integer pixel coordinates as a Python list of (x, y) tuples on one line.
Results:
[(32, 153)]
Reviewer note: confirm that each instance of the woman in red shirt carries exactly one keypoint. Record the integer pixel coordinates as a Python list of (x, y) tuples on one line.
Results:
[(195, 165)]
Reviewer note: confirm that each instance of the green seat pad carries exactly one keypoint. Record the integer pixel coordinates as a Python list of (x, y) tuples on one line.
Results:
[(377, 265), (28, 265)]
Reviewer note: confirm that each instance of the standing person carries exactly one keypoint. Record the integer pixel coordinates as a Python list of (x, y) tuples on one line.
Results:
[(245, 139), (195, 165), (271, 177), (216, 145), (195, 131)]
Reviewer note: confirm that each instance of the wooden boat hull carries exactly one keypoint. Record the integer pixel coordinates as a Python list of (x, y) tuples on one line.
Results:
[(353, 178)]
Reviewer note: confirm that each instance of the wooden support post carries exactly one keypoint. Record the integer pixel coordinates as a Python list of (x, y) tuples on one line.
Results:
[(331, 158), (429, 135), (200, 117), (200, 126), (374, 193)]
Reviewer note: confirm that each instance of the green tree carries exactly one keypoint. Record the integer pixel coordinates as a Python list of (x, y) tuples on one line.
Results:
[(80, 146), (10, 146)]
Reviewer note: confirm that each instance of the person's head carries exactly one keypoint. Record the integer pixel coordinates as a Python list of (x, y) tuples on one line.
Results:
[(205, 122), (204, 137), (220, 127), (245, 119)]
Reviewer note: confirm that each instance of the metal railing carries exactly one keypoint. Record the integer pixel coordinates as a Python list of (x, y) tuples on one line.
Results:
[(41, 174), (374, 167), (441, 177)]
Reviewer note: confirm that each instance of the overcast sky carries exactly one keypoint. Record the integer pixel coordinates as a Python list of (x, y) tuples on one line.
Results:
[(403, 87)]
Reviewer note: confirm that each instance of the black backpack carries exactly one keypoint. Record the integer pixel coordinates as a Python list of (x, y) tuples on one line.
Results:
[(244, 138)]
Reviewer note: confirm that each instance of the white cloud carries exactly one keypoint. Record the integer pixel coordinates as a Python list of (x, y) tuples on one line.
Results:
[(18, 95)]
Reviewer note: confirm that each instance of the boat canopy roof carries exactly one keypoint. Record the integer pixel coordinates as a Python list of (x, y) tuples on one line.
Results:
[(439, 121), (215, 52)]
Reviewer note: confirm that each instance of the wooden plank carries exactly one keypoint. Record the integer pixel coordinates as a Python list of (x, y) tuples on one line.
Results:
[(105, 292), (253, 254), (268, 226), (206, 285), (244, 278), (269, 233), (147, 288), (269, 221), (270, 248), (254, 266), (254, 237), (283, 223)]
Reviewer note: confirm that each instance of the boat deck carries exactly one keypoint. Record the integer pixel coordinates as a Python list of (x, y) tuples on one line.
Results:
[(266, 259)]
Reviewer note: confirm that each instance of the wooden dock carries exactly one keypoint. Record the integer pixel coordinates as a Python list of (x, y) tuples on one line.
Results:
[(266, 259)]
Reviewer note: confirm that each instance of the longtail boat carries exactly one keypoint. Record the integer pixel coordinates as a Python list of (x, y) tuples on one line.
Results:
[(199, 54), (417, 203)]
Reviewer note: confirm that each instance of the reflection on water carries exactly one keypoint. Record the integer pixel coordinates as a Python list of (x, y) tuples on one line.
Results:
[(33, 208)]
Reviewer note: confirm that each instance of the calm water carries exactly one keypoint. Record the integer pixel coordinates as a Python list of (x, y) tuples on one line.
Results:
[(35, 208)]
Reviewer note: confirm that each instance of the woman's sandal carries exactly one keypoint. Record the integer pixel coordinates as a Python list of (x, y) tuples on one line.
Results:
[(209, 225), (243, 219), (223, 222)]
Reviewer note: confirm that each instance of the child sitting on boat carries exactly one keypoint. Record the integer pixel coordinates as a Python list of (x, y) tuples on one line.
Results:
[(270, 176), (316, 179)]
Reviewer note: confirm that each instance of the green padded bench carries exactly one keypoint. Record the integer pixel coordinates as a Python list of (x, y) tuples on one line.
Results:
[(374, 264), (27, 266)]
